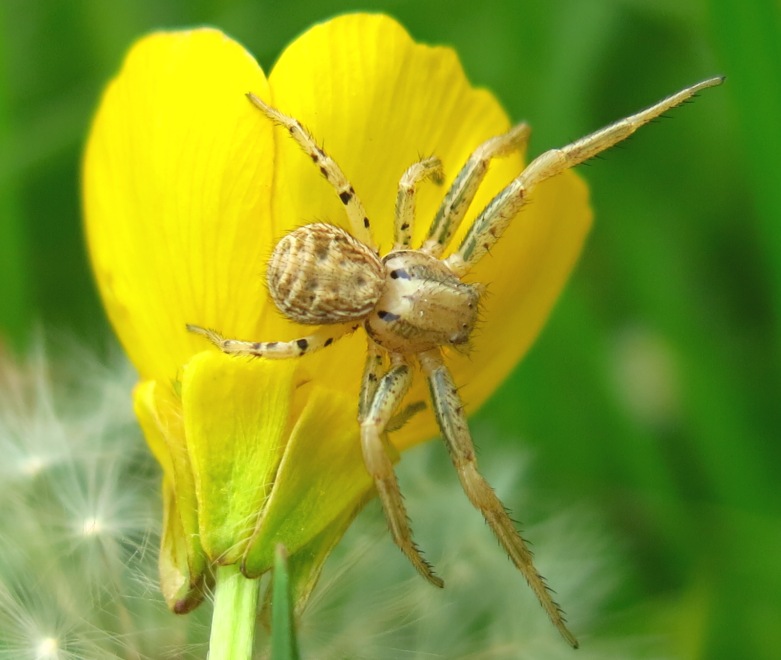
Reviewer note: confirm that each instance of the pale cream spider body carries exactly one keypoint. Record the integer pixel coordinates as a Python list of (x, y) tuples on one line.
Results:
[(412, 303)]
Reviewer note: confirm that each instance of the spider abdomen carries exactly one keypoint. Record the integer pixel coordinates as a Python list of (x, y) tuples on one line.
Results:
[(320, 274), (424, 305)]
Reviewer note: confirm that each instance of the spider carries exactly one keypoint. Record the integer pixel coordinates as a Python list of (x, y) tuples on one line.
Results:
[(412, 303)]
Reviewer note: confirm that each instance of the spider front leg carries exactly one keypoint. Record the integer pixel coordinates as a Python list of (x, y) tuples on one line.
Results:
[(323, 337), (457, 200), (429, 168), (388, 393), (452, 422), (492, 222), (372, 372), (356, 214)]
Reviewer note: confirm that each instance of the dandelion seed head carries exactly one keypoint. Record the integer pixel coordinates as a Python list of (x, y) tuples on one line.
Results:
[(47, 648), (92, 526), (32, 465), (79, 517)]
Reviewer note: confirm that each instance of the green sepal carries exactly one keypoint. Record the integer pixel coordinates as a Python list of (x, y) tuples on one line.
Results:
[(236, 415), (321, 483)]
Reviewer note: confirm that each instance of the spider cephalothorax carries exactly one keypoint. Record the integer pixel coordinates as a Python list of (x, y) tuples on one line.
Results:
[(412, 303), (423, 306)]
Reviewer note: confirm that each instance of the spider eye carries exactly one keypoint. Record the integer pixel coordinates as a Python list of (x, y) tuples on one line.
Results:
[(388, 316)]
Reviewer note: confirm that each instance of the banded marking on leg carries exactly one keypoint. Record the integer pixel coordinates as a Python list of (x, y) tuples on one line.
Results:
[(466, 184), (329, 168), (279, 350), (429, 168), (373, 368)]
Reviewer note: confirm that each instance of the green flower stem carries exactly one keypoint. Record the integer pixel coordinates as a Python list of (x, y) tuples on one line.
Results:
[(233, 619)]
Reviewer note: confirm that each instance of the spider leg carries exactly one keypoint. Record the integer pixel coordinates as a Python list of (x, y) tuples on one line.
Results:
[(388, 393), (452, 421), (399, 420), (405, 199), (359, 221), (494, 219), (457, 200), (323, 337), (372, 372)]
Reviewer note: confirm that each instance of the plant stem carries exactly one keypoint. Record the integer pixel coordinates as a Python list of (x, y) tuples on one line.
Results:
[(233, 619)]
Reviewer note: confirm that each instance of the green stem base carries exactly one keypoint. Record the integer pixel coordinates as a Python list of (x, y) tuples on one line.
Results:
[(233, 618)]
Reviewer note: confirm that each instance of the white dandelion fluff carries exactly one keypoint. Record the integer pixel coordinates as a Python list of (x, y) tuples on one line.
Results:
[(79, 529)]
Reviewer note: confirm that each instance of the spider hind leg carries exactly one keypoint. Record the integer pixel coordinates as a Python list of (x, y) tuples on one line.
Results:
[(387, 394), (455, 431)]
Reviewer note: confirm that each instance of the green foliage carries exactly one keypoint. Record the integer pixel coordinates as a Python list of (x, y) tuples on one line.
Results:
[(653, 392)]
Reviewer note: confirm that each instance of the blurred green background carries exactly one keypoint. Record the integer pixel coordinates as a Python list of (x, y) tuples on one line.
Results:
[(653, 392)]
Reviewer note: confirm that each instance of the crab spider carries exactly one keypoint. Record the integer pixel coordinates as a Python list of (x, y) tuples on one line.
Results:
[(412, 303)]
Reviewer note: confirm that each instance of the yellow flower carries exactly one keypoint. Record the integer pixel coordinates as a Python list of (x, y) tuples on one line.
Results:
[(187, 188)]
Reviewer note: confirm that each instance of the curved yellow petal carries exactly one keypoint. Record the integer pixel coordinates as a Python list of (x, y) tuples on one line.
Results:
[(145, 409), (182, 589), (378, 102), (177, 176), (183, 565)]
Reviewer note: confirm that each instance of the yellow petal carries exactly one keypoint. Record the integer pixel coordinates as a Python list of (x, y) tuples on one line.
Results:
[(182, 590), (181, 562), (177, 177), (146, 412), (378, 101), (236, 422), (159, 412)]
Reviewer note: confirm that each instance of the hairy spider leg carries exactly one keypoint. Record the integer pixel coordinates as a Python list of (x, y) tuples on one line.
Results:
[(388, 393), (429, 168), (356, 214), (494, 219), (466, 184), (449, 412), (373, 369), (321, 338)]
